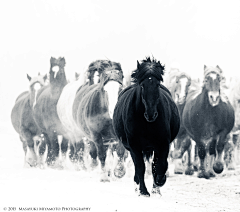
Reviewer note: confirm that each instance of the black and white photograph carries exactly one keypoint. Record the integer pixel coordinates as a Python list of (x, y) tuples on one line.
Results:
[(120, 106)]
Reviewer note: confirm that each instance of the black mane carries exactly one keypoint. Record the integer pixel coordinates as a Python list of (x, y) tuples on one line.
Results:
[(148, 68)]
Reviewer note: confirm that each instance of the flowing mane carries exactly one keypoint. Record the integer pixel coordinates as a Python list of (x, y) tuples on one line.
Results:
[(146, 69), (98, 65)]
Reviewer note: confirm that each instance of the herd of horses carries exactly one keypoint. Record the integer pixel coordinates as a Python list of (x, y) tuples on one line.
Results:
[(101, 113)]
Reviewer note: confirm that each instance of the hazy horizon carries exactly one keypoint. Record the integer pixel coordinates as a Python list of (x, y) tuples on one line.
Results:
[(187, 34)]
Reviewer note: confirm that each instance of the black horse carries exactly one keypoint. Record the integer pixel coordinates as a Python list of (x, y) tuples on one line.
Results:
[(22, 118), (146, 120), (45, 111)]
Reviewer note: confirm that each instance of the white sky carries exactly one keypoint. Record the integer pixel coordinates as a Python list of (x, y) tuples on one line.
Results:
[(185, 33)]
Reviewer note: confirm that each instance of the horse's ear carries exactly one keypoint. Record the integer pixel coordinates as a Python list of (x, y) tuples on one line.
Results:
[(77, 75), (138, 65), (51, 60), (45, 77), (205, 67), (29, 78), (219, 69), (62, 62)]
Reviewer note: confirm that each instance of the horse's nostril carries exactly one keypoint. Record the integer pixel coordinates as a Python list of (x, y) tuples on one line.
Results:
[(146, 115)]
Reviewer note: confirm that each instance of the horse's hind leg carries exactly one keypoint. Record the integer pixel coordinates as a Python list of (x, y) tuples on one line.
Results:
[(190, 150)]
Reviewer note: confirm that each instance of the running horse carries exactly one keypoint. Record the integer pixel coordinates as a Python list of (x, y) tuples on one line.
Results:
[(232, 156), (65, 111), (23, 121), (93, 111), (146, 120), (45, 111), (178, 84), (208, 118)]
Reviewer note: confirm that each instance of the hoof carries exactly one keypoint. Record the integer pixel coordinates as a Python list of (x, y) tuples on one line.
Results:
[(231, 166), (178, 172), (189, 171), (94, 164), (203, 174), (119, 171), (136, 188), (211, 174), (104, 177), (195, 168), (144, 194), (156, 191), (218, 167), (160, 180)]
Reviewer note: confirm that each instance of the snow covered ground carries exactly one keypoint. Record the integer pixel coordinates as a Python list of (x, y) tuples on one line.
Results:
[(31, 189)]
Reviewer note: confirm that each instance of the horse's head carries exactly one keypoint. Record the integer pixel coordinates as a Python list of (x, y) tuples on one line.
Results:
[(95, 70), (182, 83), (149, 75), (212, 79), (35, 84), (111, 81), (57, 72)]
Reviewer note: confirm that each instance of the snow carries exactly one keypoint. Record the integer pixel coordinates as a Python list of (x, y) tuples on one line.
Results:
[(71, 190)]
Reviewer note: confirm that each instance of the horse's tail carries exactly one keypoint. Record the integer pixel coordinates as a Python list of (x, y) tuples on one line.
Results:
[(147, 155)]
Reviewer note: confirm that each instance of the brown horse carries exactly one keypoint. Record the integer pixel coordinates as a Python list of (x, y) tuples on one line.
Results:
[(23, 121), (45, 111), (178, 84), (232, 149), (65, 111), (93, 110), (208, 118)]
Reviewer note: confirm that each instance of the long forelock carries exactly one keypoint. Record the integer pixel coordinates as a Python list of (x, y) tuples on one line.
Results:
[(147, 70)]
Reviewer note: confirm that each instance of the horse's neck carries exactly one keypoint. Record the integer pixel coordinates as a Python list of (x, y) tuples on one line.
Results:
[(32, 98), (57, 87), (204, 102), (180, 108)]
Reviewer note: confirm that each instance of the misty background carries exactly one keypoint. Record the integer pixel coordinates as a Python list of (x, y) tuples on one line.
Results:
[(183, 34)]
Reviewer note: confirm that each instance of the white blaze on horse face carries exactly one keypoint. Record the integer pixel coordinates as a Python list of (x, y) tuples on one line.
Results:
[(112, 88), (214, 97), (213, 76), (96, 77), (55, 69), (36, 87), (183, 83)]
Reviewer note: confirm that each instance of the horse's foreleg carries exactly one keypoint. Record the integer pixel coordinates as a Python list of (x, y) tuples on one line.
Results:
[(139, 165), (30, 156), (120, 169), (202, 173), (218, 164), (102, 153)]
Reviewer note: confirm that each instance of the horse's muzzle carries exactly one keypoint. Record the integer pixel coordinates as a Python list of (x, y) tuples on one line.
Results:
[(151, 119)]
